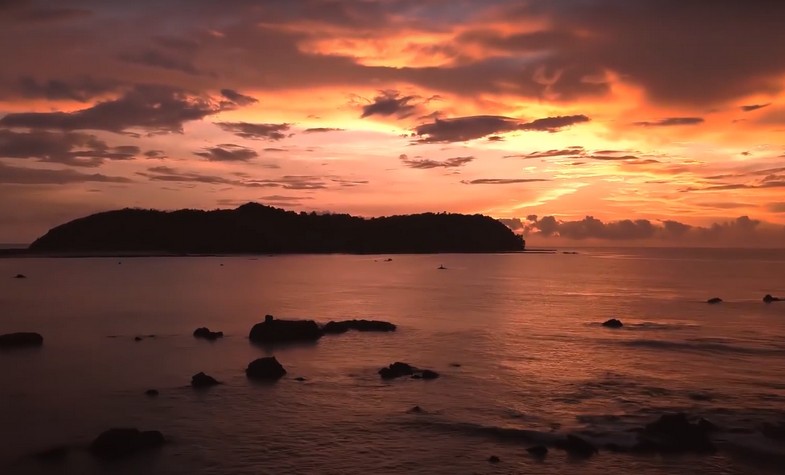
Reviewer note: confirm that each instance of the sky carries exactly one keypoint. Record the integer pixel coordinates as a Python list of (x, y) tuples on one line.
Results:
[(652, 122)]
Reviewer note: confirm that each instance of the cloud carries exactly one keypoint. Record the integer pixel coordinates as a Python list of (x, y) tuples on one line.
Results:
[(389, 103), (461, 129), (228, 153), (287, 182), (754, 107), (315, 130), (567, 152), (554, 124), (155, 154), (255, 131), (502, 181), (68, 148), (81, 89), (237, 98), (420, 163), (39, 176), (158, 59), (158, 109), (169, 174), (671, 121)]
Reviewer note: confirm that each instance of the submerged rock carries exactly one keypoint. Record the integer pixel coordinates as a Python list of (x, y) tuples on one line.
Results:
[(265, 368), (21, 340), (343, 326), (137, 338), (20, 276), (494, 459), (769, 299), (416, 410), (538, 451), (714, 300), (204, 332), (675, 433), (577, 447), (122, 442), (398, 369), (613, 323), (201, 380), (281, 331), (151, 392)]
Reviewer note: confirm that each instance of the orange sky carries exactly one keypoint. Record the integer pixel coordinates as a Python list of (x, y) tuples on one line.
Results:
[(638, 114)]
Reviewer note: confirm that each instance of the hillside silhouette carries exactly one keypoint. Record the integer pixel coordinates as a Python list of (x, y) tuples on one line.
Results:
[(256, 228)]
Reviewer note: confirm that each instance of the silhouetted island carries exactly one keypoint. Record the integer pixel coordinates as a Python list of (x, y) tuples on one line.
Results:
[(256, 228)]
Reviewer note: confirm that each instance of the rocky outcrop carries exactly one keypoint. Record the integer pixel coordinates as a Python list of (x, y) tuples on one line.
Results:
[(201, 380), (576, 446), (674, 433), (20, 276), (122, 442), (284, 331), (613, 323), (204, 332), (343, 326), (769, 299), (21, 340), (714, 300), (398, 369), (268, 369)]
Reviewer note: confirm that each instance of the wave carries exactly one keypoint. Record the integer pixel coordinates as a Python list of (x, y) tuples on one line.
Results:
[(701, 346)]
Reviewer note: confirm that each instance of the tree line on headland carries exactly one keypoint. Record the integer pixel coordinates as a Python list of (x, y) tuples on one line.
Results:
[(256, 228)]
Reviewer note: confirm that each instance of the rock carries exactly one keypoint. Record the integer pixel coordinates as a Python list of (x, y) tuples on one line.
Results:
[(201, 380), (398, 369), (21, 340), (20, 276), (265, 368), (773, 431), (494, 459), (281, 331), (429, 374), (769, 299), (416, 410), (714, 300), (343, 326), (300, 379), (455, 365), (578, 447), (613, 323), (117, 443), (151, 392), (674, 433), (538, 451), (52, 455), (701, 396), (137, 338), (204, 332), (707, 426)]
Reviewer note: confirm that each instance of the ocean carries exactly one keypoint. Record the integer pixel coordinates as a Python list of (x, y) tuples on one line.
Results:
[(516, 338)]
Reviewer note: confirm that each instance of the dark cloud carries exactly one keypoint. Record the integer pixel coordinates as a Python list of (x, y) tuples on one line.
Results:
[(776, 207), (513, 223), (81, 89), (54, 14), (502, 181), (567, 152), (461, 129), (159, 59), (228, 153), (39, 176), (248, 130), (314, 130), (237, 98), (346, 183), (554, 124), (754, 107), (422, 163), (287, 182), (68, 148), (389, 103), (170, 174), (155, 154), (157, 109), (671, 121)]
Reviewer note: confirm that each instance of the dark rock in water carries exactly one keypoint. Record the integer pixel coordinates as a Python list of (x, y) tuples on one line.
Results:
[(300, 378), (265, 368), (281, 331), (707, 426), (701, 397), (396, 370), (455, 365), (343, 326), (714, 300), (494, 459), (204, 332), (52, 455), (774, 431), (137, 338), (577, 447), (429, 374), (20, 276), (416, 410), (117, 443), (201, 380), (151, 392), (21, 340), (674, 433), (769, 299), (613, 323), (389, 259), (539, 451)]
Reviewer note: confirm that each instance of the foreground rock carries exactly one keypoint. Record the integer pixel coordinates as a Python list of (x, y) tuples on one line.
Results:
[(20, 276), (769, 299), (21, 340), (268, 369), (577, 447), (398, 369), (201, 380), (283, 331), (674, 433), (613, 323), (343, 326), (714, 300), (204, 332), (117, 443)]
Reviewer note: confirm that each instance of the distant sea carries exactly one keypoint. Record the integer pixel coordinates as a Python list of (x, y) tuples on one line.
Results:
[(516, 338)]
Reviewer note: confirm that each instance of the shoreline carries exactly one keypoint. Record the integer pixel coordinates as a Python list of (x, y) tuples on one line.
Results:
[(25, 253)]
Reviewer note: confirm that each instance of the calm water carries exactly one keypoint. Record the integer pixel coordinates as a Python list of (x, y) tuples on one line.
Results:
[(535, 364)]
